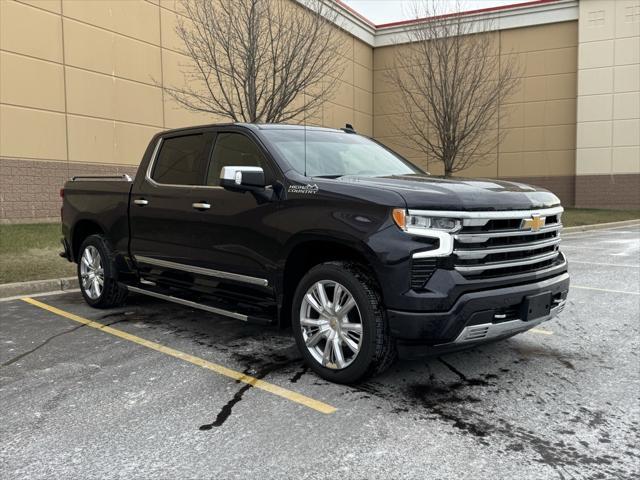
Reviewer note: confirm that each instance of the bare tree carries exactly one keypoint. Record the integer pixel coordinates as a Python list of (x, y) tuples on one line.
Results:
[(451, 80), (257, 60)]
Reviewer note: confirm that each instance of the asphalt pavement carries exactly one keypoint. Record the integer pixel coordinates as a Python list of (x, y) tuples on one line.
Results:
[(156, 390)]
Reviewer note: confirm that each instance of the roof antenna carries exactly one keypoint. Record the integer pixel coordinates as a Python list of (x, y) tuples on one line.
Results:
[(348, 128), (305, 138)]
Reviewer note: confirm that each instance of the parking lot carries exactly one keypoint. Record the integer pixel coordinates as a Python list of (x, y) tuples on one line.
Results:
[(165, 392)]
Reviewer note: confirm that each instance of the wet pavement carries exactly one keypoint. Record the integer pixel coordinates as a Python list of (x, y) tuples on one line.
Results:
[(561, 401)]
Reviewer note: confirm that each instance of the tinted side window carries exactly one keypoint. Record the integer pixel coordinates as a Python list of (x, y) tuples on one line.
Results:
[(181, 160), (233, 149)]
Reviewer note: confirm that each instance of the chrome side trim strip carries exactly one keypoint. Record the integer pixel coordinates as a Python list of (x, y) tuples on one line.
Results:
[(483, 237), (493, 266), (203, 271), (470, 254), (188, 303), (502, 214), (487, 331)]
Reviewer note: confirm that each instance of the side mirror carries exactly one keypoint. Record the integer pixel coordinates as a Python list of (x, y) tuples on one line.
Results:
[(242, 178)]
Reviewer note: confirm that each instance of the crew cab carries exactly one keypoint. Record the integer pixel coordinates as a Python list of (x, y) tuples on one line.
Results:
[(362, 254)]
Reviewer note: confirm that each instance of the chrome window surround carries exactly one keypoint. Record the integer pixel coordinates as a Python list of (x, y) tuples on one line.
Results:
[(446, 239), (262, 282), (152, 162)]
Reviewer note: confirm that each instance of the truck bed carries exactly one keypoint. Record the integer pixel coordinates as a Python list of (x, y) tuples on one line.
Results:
[(100, 200)]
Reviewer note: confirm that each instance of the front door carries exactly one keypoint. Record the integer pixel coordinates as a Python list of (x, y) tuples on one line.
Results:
[(233, 234)]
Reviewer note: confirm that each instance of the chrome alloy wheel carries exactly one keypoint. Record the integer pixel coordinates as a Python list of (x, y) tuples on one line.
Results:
[(92, 272), (331, 324)]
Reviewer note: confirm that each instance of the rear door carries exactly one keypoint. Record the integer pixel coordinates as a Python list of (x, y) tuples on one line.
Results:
[(161, 200)]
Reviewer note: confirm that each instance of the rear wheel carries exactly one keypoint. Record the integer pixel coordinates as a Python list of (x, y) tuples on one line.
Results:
[(97, 274), (339, 323)]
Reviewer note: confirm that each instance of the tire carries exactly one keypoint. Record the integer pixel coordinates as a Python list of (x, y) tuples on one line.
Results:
[(98, 277), (315, 332)]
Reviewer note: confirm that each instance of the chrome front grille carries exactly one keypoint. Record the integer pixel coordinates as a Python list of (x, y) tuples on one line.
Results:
[(492, 244)]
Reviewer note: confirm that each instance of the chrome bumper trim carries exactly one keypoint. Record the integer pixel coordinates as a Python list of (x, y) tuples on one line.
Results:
[(487, 331)]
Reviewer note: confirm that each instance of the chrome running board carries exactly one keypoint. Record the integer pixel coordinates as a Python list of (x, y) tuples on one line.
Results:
[(487, 331), (189, 303)]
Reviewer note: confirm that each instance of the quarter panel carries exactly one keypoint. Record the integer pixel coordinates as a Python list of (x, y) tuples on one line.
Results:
[(104, 203)]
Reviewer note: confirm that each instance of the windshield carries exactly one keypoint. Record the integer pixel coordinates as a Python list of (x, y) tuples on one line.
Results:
[(336, 154)]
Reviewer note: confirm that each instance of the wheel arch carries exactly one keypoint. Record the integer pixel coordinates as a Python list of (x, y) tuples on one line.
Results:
[(79, 233), (307, 252)]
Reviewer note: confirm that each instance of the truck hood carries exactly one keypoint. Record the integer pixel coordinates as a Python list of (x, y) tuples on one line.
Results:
[(429, 192)]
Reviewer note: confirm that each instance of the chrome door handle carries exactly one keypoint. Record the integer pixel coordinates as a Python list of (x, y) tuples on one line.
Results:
[(201, 206), (141, 201)]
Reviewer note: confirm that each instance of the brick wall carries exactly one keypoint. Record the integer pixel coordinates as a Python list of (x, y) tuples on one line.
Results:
[(30, 189), (562, 186), (608, 191)]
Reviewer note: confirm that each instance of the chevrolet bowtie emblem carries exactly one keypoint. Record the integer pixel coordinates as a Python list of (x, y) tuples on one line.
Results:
[(535, 223)]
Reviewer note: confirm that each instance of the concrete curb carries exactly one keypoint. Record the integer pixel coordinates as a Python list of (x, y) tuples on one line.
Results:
[(601, 226), (37, 286)]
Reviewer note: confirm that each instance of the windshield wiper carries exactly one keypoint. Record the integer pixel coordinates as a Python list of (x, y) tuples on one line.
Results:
[(328, 176)]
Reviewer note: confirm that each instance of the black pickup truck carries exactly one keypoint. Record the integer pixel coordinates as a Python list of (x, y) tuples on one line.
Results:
[(361, 253)]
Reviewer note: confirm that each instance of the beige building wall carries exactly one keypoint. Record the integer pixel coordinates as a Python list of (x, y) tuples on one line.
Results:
[(608, 129), (80, 93), (538, 145)]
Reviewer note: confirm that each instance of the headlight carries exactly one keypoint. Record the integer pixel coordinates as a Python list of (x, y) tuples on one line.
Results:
[(416, 223)]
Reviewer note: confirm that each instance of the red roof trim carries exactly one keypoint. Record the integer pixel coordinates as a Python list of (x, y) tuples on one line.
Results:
[(357, 14), (467, 12)]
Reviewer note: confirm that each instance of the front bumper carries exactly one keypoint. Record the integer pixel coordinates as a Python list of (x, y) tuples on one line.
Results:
[(475, 317)]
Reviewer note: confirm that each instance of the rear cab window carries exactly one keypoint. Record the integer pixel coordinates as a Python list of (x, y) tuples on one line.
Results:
[(182, 160)]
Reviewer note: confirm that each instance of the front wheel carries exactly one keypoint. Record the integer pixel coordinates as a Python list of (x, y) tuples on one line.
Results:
[(339, 323), (97, 274)]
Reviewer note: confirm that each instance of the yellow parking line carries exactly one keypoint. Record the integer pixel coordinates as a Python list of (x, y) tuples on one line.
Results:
[(227, 372), (541, 332)]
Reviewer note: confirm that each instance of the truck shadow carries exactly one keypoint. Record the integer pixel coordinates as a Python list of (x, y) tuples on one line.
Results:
[(256, 346)]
